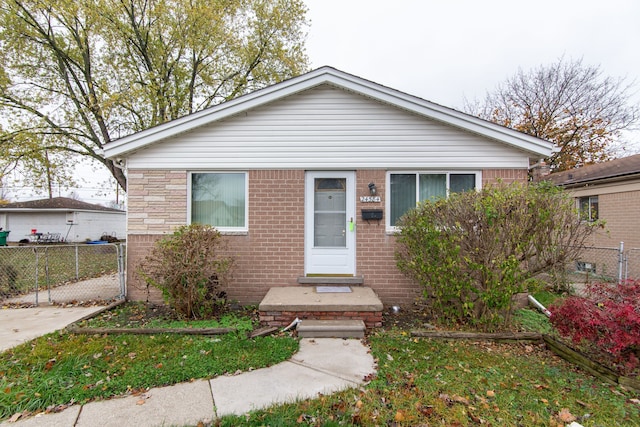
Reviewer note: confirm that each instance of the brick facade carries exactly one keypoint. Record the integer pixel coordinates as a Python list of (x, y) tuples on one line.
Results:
[(371, 319), (507, 176), (272, 252)]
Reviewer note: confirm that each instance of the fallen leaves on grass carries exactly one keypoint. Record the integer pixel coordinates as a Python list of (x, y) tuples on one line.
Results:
[(566, 416), (49, 364), (450, 400)]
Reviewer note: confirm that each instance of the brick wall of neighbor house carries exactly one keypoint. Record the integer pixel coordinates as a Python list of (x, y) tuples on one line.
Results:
[(618, 210), (272, 253)]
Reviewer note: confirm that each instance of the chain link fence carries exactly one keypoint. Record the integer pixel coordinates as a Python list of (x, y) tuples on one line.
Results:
[(632, 264), (597, 264), (34, 274)]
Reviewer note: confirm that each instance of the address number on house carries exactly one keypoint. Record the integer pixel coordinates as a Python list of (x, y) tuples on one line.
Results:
[(370, 199)]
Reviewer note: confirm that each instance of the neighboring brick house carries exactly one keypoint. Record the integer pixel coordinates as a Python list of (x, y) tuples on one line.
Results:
[(307, 177), (608, 191)]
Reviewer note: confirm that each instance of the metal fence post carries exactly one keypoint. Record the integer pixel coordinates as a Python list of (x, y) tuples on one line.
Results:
[(620, 262), (35, 251), (77, 263), (121, 270), (46, 271)]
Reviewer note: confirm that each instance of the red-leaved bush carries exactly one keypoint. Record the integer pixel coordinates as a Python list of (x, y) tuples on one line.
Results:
[(608, 315)]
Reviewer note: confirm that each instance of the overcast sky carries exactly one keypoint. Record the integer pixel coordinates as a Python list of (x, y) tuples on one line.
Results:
[(446, 50)]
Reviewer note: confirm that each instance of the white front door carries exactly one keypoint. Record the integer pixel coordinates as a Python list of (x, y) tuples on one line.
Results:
[(330, 234)]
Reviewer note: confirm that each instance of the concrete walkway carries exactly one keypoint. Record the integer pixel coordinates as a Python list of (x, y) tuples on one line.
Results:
[(18, 325), (323, 365)]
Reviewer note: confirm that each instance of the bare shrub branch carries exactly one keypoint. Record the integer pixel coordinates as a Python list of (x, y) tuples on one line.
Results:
[(191, 269)]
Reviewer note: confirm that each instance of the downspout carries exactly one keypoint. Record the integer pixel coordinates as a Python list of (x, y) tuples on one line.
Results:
[(292, 324), (539, 306)]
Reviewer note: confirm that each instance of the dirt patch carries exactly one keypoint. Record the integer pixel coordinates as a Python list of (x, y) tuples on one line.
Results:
[(407, 317)]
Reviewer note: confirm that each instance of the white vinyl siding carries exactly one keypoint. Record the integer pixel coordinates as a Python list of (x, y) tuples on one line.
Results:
[(85, 225), (327, 128)]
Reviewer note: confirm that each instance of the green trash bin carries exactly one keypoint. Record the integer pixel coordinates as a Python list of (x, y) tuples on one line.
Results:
[(3, 237)]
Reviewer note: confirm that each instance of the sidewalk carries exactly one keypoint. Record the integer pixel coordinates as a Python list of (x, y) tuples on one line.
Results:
[(18, 325), (323, 365)]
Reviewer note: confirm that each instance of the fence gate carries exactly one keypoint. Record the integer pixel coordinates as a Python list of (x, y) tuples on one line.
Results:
[(56, 274)]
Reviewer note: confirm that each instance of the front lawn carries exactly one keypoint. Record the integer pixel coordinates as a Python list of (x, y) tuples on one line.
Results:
[(419, 381), (437, 382), (61, 368)]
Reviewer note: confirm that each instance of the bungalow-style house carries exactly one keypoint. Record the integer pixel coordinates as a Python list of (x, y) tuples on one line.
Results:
[(306, 178), (60, 219), (608, 191)]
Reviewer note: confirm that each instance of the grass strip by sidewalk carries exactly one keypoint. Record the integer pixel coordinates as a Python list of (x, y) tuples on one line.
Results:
[(60, 368), (464, 383)]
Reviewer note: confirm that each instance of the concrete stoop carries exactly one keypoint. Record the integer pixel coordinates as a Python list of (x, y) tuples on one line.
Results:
[(331, 328), (282, 305)]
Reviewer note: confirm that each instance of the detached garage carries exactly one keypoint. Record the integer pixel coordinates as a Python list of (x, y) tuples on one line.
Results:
[(61, 219)]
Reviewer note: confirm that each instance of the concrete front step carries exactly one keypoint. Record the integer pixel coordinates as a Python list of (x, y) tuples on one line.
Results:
[(331, 329), (282, 305)]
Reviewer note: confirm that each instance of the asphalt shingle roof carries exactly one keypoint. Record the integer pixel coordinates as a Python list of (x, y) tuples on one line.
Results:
[(618, 168), (58, 203)]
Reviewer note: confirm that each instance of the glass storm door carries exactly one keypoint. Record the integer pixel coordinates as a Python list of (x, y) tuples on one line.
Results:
[(330, 223)]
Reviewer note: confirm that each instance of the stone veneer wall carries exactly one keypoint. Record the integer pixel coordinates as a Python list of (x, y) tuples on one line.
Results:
[(272, 252)]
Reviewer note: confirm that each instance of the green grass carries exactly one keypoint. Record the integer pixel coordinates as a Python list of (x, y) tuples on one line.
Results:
[(435, 382), (546, 298), (532, 320), (139, 315), (61, 368), (230, 320)]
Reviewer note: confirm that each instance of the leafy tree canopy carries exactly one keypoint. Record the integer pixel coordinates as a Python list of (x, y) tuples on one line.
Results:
[(76, 74), (570, 104)]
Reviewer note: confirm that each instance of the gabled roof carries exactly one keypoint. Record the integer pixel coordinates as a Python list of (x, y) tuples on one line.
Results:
[(56, 204), (613, 170), (123, 147)]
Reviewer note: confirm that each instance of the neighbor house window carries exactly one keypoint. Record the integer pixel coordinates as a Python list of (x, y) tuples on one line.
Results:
[(585, 267), (588, 207), (219, 199), (406, 189)]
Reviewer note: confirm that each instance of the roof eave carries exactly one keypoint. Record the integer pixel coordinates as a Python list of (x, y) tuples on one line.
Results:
[(600, 180)]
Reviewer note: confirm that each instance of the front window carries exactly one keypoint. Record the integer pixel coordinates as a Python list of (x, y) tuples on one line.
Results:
[(220, 200), (406, 189), (588, 207)]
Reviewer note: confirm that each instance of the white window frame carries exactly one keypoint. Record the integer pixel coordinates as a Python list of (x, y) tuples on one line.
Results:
[(392, 228), (222, 230)]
